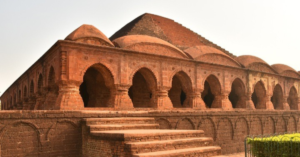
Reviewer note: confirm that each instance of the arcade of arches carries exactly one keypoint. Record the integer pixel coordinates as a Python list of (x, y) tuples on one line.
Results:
[(98, 90)]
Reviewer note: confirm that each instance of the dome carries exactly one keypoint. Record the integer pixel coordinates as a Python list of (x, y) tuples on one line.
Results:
[(148, 44), (211, 55), (90, 35), (255, 63), (285, 70)]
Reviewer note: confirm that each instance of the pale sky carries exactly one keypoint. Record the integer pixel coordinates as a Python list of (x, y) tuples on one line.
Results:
[(268, 29)]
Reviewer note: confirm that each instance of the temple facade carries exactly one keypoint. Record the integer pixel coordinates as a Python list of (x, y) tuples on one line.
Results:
[(151, 63), (154, 88)]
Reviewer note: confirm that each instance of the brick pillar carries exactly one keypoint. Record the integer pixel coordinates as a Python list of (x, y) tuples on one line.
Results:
[(197, 101), (69, 97), (31, 102), (226, 103), (40, 99), (50, 100), (249, 102), (163, 100), (25, 104), (285, 104), (122, 99), (269, 104)]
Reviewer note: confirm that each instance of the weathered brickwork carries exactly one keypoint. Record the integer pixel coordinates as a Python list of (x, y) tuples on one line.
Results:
[(152, 67)]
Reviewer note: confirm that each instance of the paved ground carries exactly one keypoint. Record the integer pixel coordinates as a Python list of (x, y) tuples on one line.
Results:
[(237, 155)]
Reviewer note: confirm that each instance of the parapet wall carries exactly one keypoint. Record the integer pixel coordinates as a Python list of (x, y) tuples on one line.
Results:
[(58, 133)]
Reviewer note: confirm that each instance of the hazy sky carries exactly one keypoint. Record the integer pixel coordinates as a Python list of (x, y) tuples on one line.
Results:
[(268, 29)]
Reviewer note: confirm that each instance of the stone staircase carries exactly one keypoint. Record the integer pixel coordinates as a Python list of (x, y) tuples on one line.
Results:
[(140, 137)]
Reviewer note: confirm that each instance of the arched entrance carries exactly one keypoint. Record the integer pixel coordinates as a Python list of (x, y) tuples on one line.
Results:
[(181, 87), (277, 98), (259, 96), (293, 99), (237, 95), (97, 88), (211, 94), (143, 89)]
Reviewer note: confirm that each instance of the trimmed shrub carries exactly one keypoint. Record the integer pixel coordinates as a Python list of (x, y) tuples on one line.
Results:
[(287, 145)]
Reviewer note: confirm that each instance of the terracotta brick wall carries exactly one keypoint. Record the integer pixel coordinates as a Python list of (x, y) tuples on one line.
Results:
[(59, 133)]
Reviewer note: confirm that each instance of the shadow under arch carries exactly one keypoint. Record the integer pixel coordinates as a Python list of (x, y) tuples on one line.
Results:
[(143, 90), (97, 88), (259, 95), (181, 90), (277, 98), (237, 95), (293, 99), (211, 94)]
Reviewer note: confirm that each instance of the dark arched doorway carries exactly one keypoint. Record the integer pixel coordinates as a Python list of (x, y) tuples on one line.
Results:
[(293, 99), (259, 96), (237, 95), (142, 92), (211, 94), (277, 98), (97, 88), (181, 88)]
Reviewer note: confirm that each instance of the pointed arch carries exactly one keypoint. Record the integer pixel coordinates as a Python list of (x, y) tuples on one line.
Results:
[(51, 76), (237, 95), (40, 82), (293, 98), (212, 92), (31, 90), (25, 91), (181, 90), (97, 88), (277, 98), (143, 89), (259, 95)]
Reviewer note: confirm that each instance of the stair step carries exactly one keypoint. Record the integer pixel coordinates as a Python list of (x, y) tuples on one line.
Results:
[(103, 127), (198, 151), (147, 135), (152, 146), (123, 120)]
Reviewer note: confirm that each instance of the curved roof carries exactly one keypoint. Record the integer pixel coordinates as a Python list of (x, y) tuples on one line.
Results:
[(165, 29), (280, 68), (130, 40), (198, 53), (246, 60), (255, 63), (88, 31)]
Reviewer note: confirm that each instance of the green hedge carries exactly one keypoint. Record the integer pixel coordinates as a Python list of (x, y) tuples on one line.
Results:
[(287, 145)]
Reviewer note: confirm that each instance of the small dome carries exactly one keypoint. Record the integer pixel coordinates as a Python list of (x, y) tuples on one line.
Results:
[(144, 43), (90, 35), (211, 55), (285, 70), (255, 63), (246, 60)]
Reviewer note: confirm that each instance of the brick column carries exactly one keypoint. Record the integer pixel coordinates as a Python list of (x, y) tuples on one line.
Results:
[(163, 100), (249, 102), (69, 97), (285, 104), (225, 102), (269, 104), (122, 99), (197, 101)]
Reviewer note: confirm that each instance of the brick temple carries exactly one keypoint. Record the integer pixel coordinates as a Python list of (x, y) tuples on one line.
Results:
[(154, 88)]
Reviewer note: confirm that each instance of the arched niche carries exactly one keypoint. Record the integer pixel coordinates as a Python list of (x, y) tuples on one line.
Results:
[(212, 92), (259, 95), (51, 77), (40, 82), (25, 92), (277, 98), (293, 99), (97, 88), (143, 89), (180, 91), (237, 95), (31, 90)]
